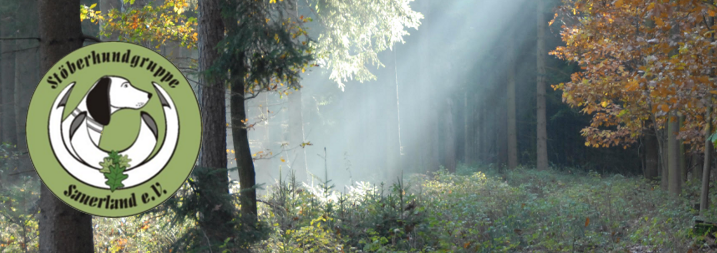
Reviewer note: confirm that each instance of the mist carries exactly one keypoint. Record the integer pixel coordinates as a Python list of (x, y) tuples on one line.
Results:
[(456, 56)]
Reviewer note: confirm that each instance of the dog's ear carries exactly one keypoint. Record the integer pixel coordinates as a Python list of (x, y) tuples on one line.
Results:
[(98, 101)]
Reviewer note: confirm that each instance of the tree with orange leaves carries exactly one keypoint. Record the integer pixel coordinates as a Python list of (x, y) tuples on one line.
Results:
[(642, 60)]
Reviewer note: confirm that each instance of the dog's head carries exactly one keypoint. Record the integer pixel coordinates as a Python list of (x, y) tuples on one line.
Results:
[(111, 94)]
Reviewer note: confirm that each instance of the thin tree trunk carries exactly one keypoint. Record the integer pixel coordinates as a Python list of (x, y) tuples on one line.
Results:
[(450, 143), (429, 152), (673, 146), (296, 136), (7, 83), (651, 157), (673, 158), (696, 166), (485, 142), (62, 228), (213, 156), (512, 131), (542, 121), (664, 167), (26, 80), (682, 154), (475, 128), (467, 138), (245, 163), (25, 83), (240, 137), (393, 130), (704, 193)]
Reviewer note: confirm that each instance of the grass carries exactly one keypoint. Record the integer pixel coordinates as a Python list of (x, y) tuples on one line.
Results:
[(477, 209)]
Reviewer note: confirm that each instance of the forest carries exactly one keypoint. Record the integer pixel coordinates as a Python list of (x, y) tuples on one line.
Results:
[(385, 125)]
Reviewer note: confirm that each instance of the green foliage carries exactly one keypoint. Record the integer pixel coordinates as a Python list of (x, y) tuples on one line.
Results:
[(265, 47), (354, 32), (113, 168), (149, 25), (195, 202), (488, 210), (18, 204)]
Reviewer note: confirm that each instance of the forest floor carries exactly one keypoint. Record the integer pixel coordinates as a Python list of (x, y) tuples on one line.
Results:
[(473, 210)]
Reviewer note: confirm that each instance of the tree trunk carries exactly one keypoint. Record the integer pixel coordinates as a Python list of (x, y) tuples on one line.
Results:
[(240, 137), (450, 135), (704, 193), (664, 163), (682, 154), (213, 156), (245, 163), (429, 152), (62, 228), (499, 127), (542, 121), (512, 131), (484, 136), (673, 159), (696, 166), (467, 137), (393, 129), (26, 80), (651, 156), (7, 83)]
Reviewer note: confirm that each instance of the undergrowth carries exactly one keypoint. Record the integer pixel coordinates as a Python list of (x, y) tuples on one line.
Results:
[(477, 209)]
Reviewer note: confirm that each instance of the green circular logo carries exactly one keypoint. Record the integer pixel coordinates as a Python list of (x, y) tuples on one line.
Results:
[(113, 129)]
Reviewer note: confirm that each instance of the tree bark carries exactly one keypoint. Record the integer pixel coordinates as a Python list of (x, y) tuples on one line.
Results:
[(485, 138), (704, 193), (696, 167), (7, 83), (62, 228), (512, 131), (673, 158), (26, 80), (450, 135), (651, 156), (542, 136), (682, 154), (240, 136), (245, 163), (664, 163), (467, 137), (213, 156)]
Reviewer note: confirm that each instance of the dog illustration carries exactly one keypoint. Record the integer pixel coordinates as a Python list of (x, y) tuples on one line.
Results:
[(82, 129), (83, 161)]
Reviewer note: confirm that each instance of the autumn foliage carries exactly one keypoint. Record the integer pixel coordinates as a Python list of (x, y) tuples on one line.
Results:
[(642, 61), (153, 24)]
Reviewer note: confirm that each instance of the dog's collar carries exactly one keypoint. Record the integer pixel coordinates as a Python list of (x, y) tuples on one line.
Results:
[(94, 126), (91, 123)]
